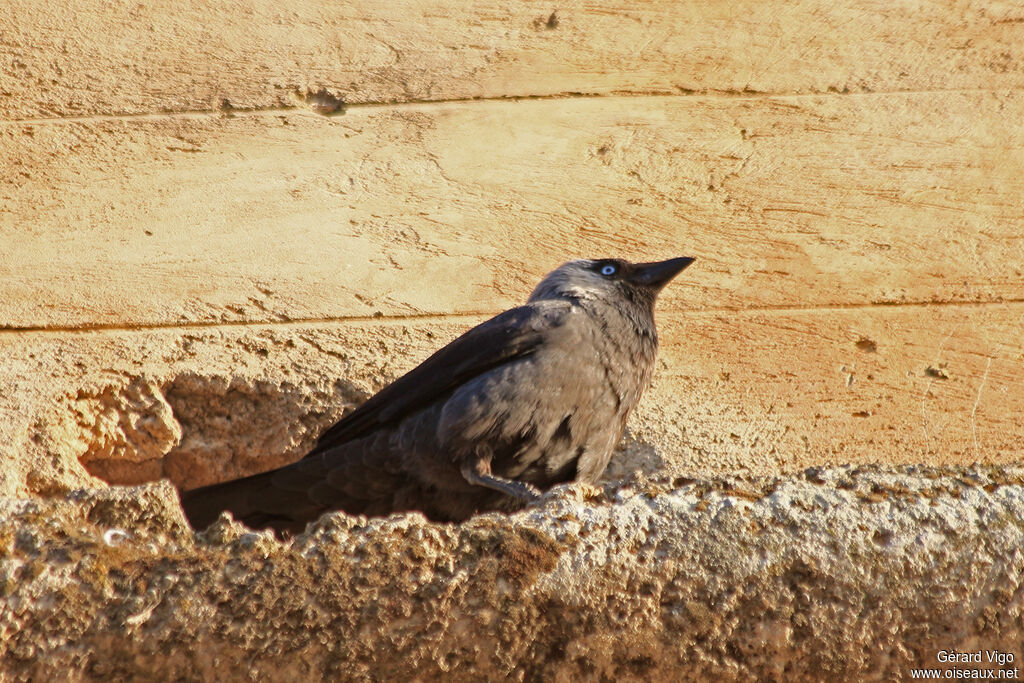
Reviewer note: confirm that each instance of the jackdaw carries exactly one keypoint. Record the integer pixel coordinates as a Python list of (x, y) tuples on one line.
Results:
[(535, 396)]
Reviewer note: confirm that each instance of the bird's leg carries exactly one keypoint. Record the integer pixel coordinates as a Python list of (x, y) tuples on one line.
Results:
[(479, 473)]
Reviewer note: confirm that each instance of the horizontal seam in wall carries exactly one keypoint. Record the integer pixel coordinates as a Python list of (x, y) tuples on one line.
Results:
[(710, 95), (453, 317)]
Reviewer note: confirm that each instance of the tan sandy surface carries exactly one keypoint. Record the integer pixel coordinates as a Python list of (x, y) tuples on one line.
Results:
[(171, 198)]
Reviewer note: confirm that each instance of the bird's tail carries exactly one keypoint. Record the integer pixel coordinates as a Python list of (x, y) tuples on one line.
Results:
[(258, 501)]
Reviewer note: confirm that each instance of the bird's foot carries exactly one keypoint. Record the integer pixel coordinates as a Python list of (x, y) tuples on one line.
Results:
[(517, 489)]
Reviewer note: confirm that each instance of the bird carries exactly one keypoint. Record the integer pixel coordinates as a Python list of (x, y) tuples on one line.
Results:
[(536, 396)]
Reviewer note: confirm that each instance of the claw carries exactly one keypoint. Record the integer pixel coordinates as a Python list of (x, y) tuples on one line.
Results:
[(480, 475)]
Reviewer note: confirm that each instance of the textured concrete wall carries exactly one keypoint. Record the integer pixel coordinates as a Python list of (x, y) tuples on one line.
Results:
[(859, 574)]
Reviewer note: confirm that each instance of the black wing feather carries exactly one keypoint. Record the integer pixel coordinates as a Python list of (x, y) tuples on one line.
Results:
[(508, 336)]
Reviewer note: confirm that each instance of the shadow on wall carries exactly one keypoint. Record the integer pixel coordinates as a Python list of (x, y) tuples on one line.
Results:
[(198, 429)]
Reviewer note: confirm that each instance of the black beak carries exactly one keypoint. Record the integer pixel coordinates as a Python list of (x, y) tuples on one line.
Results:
[(657, 275)]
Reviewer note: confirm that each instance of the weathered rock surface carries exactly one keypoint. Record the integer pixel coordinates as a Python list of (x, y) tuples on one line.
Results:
[(854, 572)]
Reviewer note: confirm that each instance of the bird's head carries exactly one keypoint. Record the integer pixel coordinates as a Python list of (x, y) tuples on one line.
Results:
[(609, 280)]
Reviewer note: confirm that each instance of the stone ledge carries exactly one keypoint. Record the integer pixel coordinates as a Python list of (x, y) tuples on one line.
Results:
[(860, 572)]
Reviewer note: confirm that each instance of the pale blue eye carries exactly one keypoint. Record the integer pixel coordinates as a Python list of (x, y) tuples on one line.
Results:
[(608, 270)]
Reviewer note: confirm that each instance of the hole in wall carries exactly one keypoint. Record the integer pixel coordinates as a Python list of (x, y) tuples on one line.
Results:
[(196, 428)]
